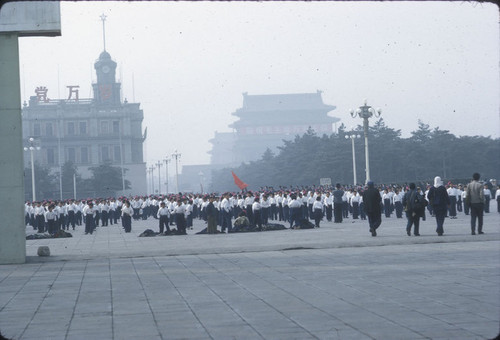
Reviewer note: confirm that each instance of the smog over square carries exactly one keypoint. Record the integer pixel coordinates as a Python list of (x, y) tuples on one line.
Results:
[(189, 63)]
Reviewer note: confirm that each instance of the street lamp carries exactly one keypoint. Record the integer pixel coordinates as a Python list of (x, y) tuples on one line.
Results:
[(166, 160), (353, 136), (151, 171), (366, 112), (177, 156), (32, 148), (158, 165)]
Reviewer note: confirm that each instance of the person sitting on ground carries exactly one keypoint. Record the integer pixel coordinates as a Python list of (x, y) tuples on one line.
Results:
[(242, 222)]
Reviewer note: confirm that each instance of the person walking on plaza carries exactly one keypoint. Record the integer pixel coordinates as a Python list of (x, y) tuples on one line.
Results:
[(51, 218), (127, 212), (372, 202), (497, 198), (475, 200), (414, 204), (487, 197), (440, 201)]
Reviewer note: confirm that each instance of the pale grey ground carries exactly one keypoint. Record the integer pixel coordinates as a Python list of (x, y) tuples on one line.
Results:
[(344, 285)]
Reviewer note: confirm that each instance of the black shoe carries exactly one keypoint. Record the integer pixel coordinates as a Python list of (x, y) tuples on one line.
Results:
[(440, 234), (480, 232), (473, 232), (417, 234), (408, 232)]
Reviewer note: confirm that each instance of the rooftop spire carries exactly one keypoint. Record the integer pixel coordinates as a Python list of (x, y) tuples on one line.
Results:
[(103, 18)]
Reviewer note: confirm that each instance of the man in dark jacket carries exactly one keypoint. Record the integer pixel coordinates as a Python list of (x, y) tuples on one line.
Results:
[(337, 203), (414, 206), (211, 214), (372, 200)]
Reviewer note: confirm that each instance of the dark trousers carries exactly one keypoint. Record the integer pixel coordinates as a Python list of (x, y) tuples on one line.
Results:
[(459, 204), (104, 218), (40, 223), (387, 207), (466, 208), (345, 209), (71, 219), (399, 209), (226, 221), (476, 211), (412, 220), (453, 206), (329, 210), (89, 224), (257, 219), (295, 216), (374, 220), (337, 212), (51, 226), (180, 221), (264, 213), (286, 213), (440, 215), (164, 223), (127, 223), (211, 225), (486, 204), (318, 215), (280, 212), (355, 210)]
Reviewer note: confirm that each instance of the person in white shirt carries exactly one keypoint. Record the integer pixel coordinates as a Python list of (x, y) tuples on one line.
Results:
[(180, 220), (452, 193), (127, 213), (264, 209), (225, 211), (89, 213), (163, 215), (328, 202), (487, 198), (295, 206), (40, 217), (355, 198), (318, 211), (51, 219), (397, 200), (256, 207)]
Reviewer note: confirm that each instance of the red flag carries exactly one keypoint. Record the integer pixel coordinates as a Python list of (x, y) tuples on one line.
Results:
[(242, 185)]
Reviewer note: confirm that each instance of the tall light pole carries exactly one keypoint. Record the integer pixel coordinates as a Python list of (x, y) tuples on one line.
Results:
[(158, 165), (201, 174), (32, 148), (151, 169), (166, 160), (366, 112), (177, 156), (353, 136)]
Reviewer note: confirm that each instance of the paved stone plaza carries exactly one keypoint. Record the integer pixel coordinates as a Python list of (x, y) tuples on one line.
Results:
[(335, 282)]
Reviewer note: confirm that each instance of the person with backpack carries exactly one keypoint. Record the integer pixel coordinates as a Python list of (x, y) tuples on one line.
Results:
[(414, 204), (440, 201)]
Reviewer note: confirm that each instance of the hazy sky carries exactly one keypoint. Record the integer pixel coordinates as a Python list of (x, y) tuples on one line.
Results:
[(188, 63)]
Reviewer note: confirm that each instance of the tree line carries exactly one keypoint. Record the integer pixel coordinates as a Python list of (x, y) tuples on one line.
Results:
[(105, 181), (425, 154)]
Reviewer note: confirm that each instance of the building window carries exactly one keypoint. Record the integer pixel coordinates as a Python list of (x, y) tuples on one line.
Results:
[(71, 128), (36, 129), (117, 154), (83, 128), (116, 127), (51, 157), (104, 154), (104, 127), (84, 155), (49, 132), (71, 155)]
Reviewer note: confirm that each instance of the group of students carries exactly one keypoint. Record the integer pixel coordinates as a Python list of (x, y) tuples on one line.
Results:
[(292, 206)]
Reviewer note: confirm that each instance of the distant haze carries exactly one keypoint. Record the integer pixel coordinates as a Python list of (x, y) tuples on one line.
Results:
[(188, 63)]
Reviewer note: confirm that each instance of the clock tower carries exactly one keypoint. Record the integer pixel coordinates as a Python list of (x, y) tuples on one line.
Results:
[(106, 90)]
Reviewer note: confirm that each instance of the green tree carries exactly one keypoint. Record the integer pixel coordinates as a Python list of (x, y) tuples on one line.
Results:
[(106, 180)]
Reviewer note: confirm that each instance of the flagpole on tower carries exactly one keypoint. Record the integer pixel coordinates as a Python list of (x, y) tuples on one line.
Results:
[(103, 18)]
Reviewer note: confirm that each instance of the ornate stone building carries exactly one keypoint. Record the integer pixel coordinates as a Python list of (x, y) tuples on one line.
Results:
[(88, 132), (266, 120)]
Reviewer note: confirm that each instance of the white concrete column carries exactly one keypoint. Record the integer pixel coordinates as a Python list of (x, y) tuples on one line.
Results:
[(12, 228)]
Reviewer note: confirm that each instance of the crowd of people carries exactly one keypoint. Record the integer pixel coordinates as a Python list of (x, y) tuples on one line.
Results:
[(294, 207)]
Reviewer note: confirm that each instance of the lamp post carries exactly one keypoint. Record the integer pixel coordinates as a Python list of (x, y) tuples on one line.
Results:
[(158, 165), (366, 112), (151, 169), (353, 136), (166, 160), (177, 156), (32, 148)]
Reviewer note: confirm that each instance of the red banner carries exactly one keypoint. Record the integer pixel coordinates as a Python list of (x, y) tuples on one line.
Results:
[(242, 185)]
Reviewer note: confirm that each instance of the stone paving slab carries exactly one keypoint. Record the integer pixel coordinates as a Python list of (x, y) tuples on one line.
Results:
[(347, 285)]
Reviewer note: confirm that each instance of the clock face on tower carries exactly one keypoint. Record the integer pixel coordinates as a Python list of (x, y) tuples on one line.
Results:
[(105, 69)]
